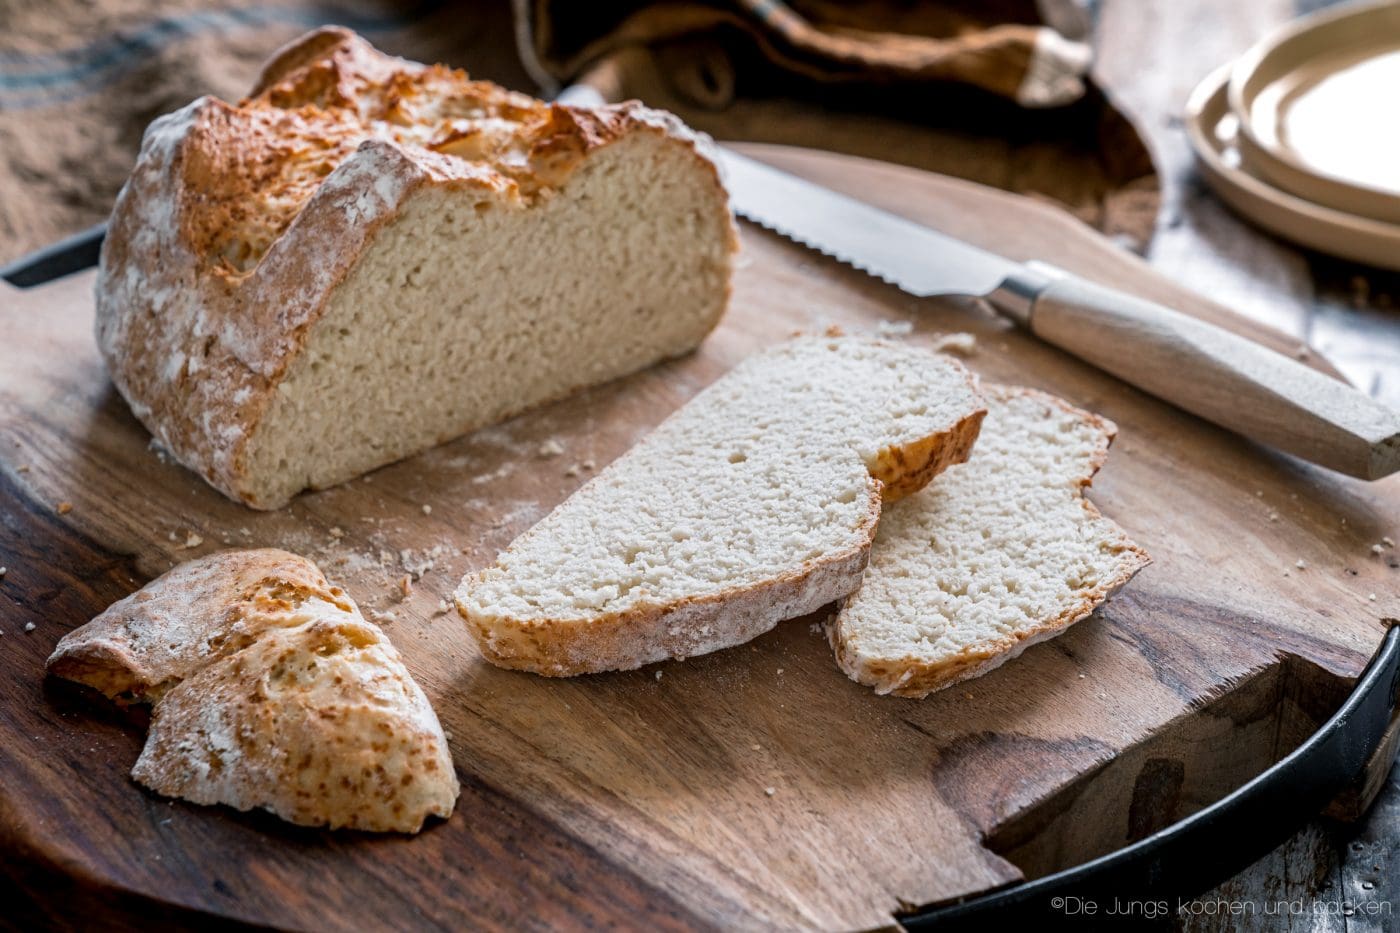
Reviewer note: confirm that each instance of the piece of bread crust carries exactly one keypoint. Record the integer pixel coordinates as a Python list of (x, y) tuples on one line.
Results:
[(910, 583), (270, 690)]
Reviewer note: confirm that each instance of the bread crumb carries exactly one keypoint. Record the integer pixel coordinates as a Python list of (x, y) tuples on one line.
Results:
[(406, 585), (427, 509), (551, 448), (1081, 676), (589, 465), (336, 532), (246, 532), (29, 626), (574, 470), (958, 344), (1371, 597), (1388, 541), (442, 608), (815, 628), (770, 791), (23, 468), (192, 540), (894, 328), (780, 670), (756, 747), (64, 507), (1273, 516), (1377, 550), (1259, 493), (658, 675), (1301, 564), (3, 571), (1286, 573)]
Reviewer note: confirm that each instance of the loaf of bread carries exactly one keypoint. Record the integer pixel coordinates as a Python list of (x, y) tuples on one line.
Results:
[(369, 256), (994, 556), (754, 503), (270, 690)]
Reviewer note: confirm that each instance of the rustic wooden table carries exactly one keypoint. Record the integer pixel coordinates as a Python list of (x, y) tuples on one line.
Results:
[(1150, 56)]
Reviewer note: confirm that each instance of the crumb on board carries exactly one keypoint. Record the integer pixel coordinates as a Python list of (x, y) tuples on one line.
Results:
[(574, 470), (756, 747), (427, 509), (958, 344), (29, 626), (658, 674), (1388, 541), (1273, 516), (1371, 597), (336, 532), (23, 468), (894, 328), (770, 791), (780, 670), (406, 585), (64, 507), (1377, 550), (1300, 564), (442, 608), (192, 540), (3, 571), (551, 448)]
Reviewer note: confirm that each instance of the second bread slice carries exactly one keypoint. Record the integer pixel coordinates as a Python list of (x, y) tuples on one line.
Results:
[(995, 556), (756, 502)]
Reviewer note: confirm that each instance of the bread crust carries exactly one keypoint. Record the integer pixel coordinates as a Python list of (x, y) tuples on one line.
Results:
[(643, 634), (229, 239), (915, 678), (270, 690)]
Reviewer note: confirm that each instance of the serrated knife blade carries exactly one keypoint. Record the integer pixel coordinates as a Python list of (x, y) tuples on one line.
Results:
[(1206, 370), (910, 256)]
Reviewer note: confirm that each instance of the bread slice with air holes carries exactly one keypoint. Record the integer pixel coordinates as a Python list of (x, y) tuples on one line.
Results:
[(754, 503), (996, 555)]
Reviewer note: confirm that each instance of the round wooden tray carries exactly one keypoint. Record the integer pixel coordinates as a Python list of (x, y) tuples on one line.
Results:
[(629, 799)]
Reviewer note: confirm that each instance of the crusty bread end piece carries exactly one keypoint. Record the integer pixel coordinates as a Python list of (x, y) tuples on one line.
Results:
[(994, 556), (754, 503), (270, 690)]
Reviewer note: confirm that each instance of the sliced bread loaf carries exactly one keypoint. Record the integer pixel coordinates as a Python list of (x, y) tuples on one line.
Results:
[(370, 256), (996, 555), (754, 503), (269, 689)]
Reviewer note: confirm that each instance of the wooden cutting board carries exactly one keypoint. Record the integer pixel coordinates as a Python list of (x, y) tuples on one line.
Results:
[(752, 787)]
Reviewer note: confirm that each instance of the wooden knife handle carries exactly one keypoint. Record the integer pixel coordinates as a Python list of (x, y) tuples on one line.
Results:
[(1217, 375)]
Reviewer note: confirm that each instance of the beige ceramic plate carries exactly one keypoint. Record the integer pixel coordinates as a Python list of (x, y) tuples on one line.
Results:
[(1214, 132), (1319, 109)]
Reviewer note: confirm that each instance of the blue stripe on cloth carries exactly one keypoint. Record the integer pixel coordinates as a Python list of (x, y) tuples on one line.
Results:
[(34, 80)]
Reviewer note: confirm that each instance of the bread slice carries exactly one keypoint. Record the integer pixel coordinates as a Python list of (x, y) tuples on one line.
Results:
[(370, 256), (270, 690), (754, 503), (994, 556)]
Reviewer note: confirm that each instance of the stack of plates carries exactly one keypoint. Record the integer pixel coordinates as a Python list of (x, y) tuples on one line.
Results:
[(1302, 134)]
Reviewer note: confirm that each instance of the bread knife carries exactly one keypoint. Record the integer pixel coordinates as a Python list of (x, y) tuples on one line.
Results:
[(1206, 370)]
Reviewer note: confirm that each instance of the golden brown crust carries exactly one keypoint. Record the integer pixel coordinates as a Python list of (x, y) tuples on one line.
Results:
[(239, 222), (916, 678), (270, 690)]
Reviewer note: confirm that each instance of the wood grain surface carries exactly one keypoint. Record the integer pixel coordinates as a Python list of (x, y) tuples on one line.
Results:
[(643, 797)]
